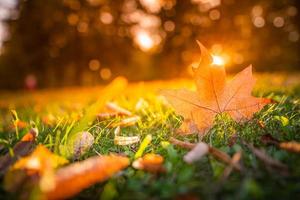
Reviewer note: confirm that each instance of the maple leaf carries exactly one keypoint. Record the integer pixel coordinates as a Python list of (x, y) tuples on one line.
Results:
[(215, 95)]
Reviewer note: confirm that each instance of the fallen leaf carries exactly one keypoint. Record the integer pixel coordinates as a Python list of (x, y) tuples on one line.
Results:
[(82, 143), (113, 110), (77, 145), (150, 162), (106, 115), (40, 162), (118, 109), (22, 148), (126, 140), (39, 159), (214, 95), (141, 104), (146, 141), (130, 121), (290, 146), (81, 175)]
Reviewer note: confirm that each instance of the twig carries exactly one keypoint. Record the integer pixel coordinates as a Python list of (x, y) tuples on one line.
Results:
[(234, 161), (185, 145), (219, 155), (266, 159)]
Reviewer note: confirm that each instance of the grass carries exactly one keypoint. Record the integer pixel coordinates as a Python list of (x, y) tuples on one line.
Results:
[(55, 113)]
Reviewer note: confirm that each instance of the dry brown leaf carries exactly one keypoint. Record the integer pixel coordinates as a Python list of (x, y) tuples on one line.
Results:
[(150, 162), (106, 115), (40, 162), (83, 141), (81, 175), (130, 121), (113, 110), (118, 109), (39, 159), (290, 146), (22, 148), (214, 95), (126, 140)]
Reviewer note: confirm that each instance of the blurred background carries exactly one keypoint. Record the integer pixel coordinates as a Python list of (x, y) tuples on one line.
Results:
[(58, 43)]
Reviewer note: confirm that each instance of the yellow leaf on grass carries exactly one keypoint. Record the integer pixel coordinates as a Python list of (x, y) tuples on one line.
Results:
[(146, 141)]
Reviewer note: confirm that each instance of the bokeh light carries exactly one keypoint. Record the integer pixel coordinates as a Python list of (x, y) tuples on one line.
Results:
[(105, 73), (144, 40), (218, 60), (69, 42)]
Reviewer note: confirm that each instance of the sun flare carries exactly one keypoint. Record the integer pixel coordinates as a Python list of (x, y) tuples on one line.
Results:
[(218, 60)]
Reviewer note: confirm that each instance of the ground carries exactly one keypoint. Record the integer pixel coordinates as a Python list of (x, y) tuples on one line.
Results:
[(54, 113)]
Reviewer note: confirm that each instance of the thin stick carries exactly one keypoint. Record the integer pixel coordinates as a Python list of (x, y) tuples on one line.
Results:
[(185, 145), (219, 155)]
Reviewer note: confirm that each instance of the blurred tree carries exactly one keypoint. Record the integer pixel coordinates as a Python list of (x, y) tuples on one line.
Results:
[(56, 43)]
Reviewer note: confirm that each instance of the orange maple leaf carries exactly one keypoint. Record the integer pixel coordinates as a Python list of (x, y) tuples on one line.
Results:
[(215, 95)]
